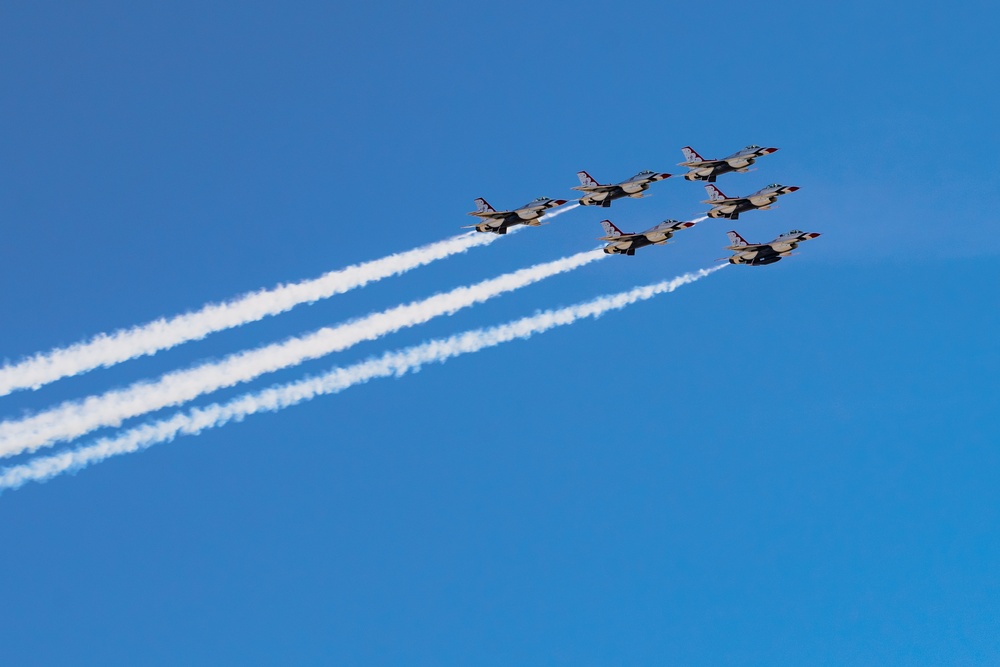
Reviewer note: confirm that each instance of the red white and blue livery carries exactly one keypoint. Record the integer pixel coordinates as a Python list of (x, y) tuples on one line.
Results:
[(602, 195), (731, 207), (498, 222), (708, 170), (622, 243), (762, 254)]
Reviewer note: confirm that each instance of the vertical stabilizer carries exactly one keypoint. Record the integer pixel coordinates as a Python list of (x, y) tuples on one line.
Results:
[(483, 206), (610, 229), (714, 193), (735, 239), (586, 179), (691, 155)]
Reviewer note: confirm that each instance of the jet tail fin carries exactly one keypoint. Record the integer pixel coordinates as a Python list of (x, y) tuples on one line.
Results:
[(714, 193), (610, 229), (691, 155), (735, 239), (483, 206), (586, 179)]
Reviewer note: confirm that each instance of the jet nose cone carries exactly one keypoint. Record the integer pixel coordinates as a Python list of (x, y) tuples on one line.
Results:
[(559, 202), (768, 151), (792, 188), (814, 235)]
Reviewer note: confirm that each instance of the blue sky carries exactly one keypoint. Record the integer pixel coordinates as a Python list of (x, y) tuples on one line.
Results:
[(781, 465)]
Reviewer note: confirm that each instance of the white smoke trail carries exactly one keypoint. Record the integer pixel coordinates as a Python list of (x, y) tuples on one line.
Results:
[(276, 398), (558, 211), (75, 418), (106, 350)]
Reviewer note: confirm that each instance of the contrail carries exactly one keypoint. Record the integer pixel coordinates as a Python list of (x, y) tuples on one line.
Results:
[(113, 348), (75, 418), (276, 398), (558, 211)]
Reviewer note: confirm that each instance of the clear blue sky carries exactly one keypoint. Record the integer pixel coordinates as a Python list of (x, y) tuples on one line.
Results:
[(794, 464)]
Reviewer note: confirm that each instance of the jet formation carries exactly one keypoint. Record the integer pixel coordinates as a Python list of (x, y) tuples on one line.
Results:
[(618, 242)]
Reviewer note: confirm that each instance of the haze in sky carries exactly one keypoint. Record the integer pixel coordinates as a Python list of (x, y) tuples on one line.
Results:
[(789, 464)]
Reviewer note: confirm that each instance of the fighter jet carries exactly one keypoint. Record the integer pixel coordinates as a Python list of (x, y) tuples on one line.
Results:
[(603, 195), (761, 254), (731, 207), (620, 243), (499, 222), (708, 170)]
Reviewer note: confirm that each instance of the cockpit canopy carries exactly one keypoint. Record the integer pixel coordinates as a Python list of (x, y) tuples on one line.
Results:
[(794, 232), (542, 198), (645, 173), (751, 147), (773, 185)]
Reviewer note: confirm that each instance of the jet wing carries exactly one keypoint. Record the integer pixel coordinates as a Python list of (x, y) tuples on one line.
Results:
[(677, 226), (703, 164), (538, 208), (648, 178), (748, 247), (622, 237), (491, 215), (723, 202), (596, 188)]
